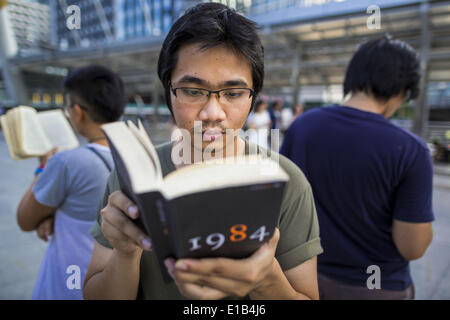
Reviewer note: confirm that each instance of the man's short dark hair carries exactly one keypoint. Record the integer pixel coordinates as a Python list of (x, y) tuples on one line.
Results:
[(384, 68), (97, 89), (211, 25)]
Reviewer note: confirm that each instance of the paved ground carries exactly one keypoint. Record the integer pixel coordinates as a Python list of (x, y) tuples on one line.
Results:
[(21, 253)]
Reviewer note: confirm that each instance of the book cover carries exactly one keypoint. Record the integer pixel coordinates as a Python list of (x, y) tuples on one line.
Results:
[(196, 213)]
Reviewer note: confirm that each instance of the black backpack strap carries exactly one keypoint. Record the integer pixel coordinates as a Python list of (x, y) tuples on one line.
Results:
[(100, 156)]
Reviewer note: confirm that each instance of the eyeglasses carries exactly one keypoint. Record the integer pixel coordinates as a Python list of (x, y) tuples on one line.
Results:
[(66, 110), (228, 96)]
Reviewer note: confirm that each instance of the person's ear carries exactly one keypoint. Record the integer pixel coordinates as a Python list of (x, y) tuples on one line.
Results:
[(79, 113)]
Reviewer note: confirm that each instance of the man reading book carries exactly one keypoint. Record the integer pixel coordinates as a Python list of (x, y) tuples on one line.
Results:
[(62, 199), (211, 65)]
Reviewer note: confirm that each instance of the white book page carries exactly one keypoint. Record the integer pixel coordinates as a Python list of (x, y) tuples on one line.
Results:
[(13, 124), (58, 130), (144, 139), (10, 138), (32, 138), (138, 164), (210, 175)]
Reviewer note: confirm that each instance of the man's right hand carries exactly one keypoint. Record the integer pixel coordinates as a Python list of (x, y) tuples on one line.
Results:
[(46, 228), (124, 235)]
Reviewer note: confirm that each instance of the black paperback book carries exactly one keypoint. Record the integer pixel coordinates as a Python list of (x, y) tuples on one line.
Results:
[(213, 209)]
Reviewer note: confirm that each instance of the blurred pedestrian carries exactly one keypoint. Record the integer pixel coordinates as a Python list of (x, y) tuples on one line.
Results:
[(287, 116), (298, 110), (372, 181), (275, 113), (259, 124), (441, 153), (61, 204), (276, 120)]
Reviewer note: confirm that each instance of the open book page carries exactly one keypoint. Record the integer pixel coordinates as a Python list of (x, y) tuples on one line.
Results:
[(10, 137), (58, 130), (15, 132), (32, 138), (144, 139), (210, 175), (138, 164), (150, 146)]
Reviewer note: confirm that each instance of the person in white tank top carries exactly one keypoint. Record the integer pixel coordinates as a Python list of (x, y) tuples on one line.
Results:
[(259, 124)]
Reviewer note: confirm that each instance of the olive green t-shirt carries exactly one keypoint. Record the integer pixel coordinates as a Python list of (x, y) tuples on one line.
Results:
[(299, 228)]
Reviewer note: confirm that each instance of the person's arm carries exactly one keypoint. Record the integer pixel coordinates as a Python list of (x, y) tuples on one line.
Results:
[(259, 276), (299, 283), (412, 239), (114, 273), (412, 231), (46, 228), (30, 212)]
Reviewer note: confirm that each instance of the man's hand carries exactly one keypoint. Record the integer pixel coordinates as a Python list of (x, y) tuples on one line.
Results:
[(117, 227), (215, 278), (45, 228), (44, 159)]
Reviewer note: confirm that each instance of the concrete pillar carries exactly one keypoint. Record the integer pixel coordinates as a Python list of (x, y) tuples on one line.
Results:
[(295, 75), (8, 49), (421, 112), (103, 21)]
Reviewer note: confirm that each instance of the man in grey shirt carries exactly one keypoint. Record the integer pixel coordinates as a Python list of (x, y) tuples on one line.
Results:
[(63, 197)]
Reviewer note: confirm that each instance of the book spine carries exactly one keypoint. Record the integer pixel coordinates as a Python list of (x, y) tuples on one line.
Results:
[(171, 214), (152, 206)]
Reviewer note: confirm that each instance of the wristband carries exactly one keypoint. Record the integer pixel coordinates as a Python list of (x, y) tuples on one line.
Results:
[(39, 170)]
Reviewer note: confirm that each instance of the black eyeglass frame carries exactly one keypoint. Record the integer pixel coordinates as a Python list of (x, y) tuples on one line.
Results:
[(174, 90), (73, 104), (65, 108)]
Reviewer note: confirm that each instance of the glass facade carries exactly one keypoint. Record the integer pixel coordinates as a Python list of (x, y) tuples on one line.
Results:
[(141, 18), (30, 24), (264, 6), (92, 31), (126, 19)]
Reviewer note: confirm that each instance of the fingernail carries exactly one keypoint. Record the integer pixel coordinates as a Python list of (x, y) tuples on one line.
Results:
[(180, 265), (146, 244), (169, 264), (132, 210)]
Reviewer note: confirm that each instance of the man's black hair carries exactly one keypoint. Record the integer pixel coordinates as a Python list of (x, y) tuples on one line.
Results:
[(384, 68), (97, 89), (211, 25)]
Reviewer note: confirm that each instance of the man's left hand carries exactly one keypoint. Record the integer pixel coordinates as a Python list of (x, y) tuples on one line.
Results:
[(216, 278), (44, 159)]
